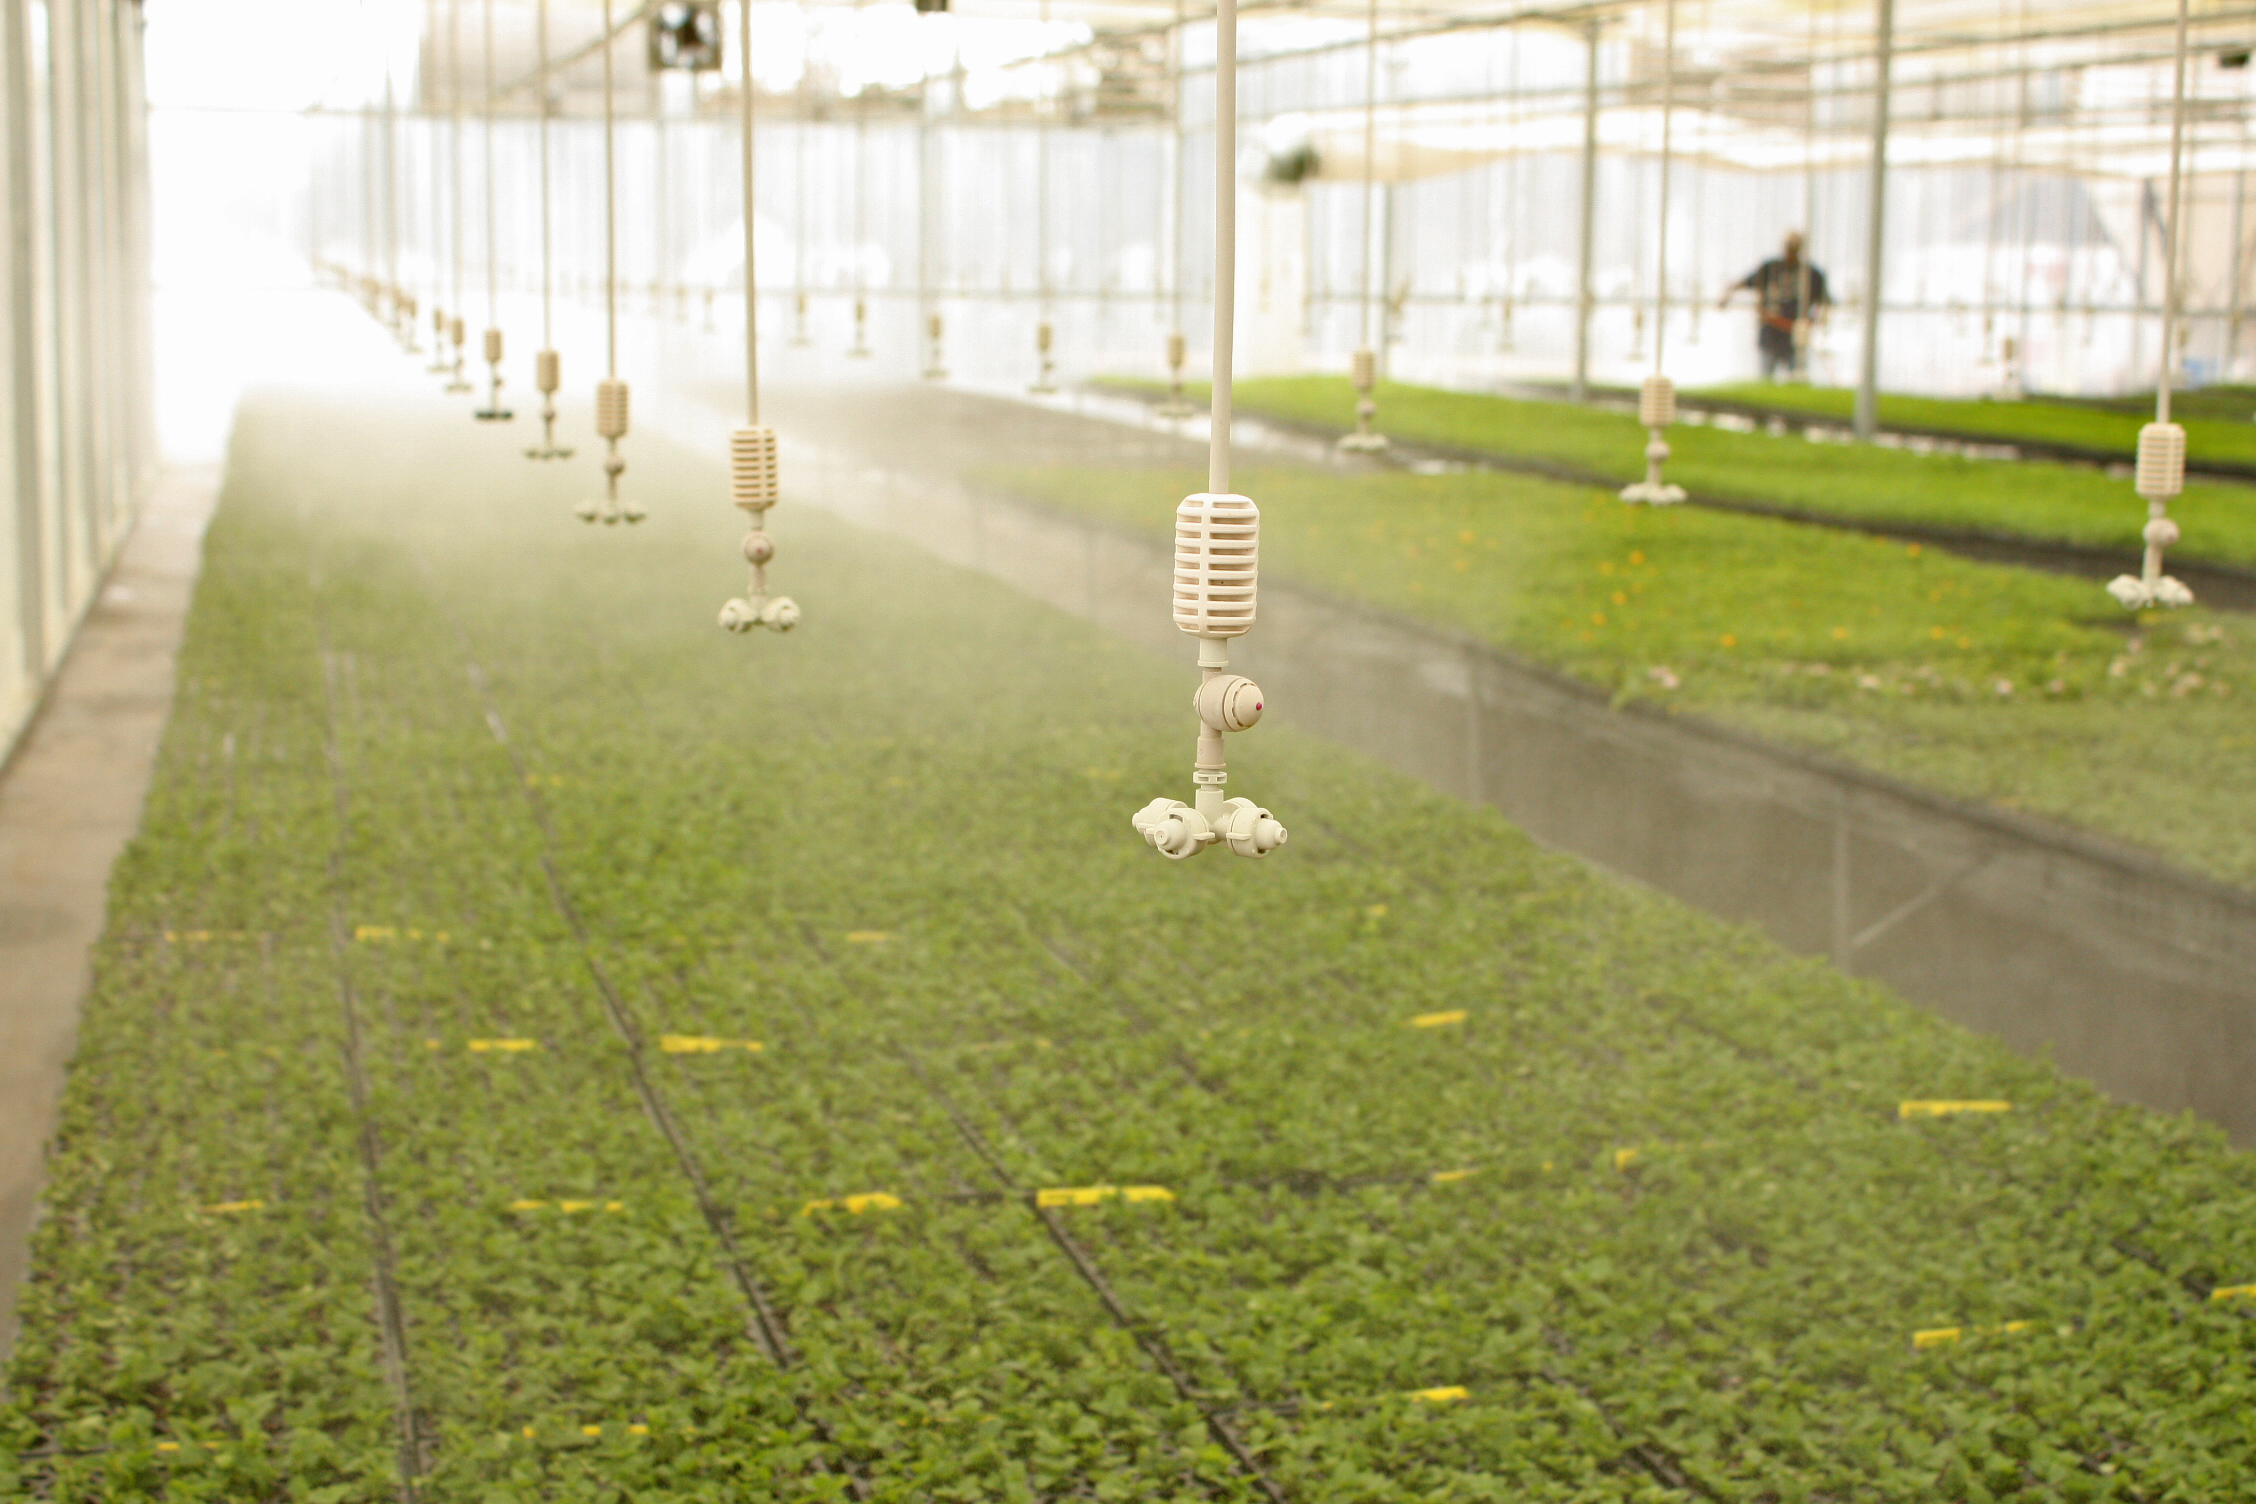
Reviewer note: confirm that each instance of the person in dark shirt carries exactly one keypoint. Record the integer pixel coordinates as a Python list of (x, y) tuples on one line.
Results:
[(1788, 290)]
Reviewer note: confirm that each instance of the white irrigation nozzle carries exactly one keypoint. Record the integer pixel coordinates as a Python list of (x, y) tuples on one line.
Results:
[(411, 315), (2161, 475), (799, 337), (1217, 567), (935, 368), (457, 333), (754, 486), (1656, 410), (611, 427), (493, 411), (546, 373), (708, 310), (1044, 339), (1364, 370)]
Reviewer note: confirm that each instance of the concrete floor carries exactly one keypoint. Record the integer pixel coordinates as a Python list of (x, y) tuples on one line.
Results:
[(70, 798)]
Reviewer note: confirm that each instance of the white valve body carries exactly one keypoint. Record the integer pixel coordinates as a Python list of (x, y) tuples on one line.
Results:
[(1177, 349), (1364, 369), (546, 371), (493, 346), (1217, 570), (1217, 564), (754, 485)]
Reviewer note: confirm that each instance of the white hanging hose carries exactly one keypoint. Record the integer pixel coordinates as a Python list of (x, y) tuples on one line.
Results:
[(493, 411), (1656, 401), (456, 333), (1044, 335), (610, 392), (547, 368), (1363, 366), (754, 481), (1217, 547), (1178, 348), (2162, 443)]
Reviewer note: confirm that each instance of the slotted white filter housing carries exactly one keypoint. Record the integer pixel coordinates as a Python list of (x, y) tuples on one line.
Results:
[(611, 409), (753, 483), (1656, 402), (2161, 461), (1217, 561)]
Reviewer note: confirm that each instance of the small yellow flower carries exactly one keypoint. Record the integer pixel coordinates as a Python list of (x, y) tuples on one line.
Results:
[(1729, 639)]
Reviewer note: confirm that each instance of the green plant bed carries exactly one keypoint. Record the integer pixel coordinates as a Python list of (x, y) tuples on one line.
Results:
[(1994, 684), (1445, 1168), (1858, 484), (2216, 423)]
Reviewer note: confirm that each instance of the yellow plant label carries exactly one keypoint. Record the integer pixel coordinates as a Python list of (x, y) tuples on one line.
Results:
[(568, 1207), (1444, 1177), (502, 1046), (703, 1044), (2233, 1292), (1447, 1394), (591, 1430), (1438, 1020), (236, 1206), (1944, 1336), (1907, 1110), (1091, 1195), (867, 1201), (868, 937)]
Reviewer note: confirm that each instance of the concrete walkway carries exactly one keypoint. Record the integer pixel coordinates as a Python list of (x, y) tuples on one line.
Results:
[(70, 798)]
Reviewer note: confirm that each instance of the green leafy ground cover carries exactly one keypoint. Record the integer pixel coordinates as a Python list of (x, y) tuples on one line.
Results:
[(2217, 429), (465, 810), (2002, 685), (1856, 483)]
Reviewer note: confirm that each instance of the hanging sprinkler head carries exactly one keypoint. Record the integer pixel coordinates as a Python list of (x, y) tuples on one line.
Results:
[(753, 482), (753, 485), (935, 366), (1217, 553), (458, 334), (1045, 380), (799, 339), (2161, 476), (493, 411), (2162, 443), (861, 349), (1656, 410), (1363, 371), (410, 320), (440, 365), (611, 427), (547, 370), (1178, 350)]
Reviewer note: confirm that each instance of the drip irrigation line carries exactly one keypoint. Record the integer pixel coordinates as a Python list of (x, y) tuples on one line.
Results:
[(1144, 1333), (391, 1321), (751, 282), (764, 1324)]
